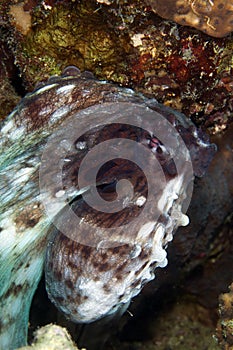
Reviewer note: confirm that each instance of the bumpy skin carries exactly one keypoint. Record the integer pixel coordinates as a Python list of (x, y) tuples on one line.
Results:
[(24, 226)]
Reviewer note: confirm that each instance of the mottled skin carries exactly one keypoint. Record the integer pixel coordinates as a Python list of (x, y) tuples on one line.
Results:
[(24, 226), (87, 283)]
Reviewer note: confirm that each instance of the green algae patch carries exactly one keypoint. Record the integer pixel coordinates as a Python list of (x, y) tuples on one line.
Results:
[(73, 34)]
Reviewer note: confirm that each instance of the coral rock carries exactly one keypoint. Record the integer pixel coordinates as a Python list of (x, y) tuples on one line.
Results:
[(51, 337), (212, 17), (225, 325)]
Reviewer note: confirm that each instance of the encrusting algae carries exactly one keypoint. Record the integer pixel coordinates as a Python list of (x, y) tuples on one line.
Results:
[(213, 17)]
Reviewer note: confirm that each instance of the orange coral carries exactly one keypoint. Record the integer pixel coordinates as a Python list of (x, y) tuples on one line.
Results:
[(214, 17)]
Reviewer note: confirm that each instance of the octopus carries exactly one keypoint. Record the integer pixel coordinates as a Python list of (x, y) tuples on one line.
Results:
[(141, 159)]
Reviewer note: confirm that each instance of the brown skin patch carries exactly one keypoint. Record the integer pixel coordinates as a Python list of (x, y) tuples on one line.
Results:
[(104, 256), (51, 101), (144, 254), (141, 268), (29, 216), (69, 284), (106, 288), (58, 275), (103, 267), (119, 276), (15, 289), (60, 299), (120, 268), (85, 251)]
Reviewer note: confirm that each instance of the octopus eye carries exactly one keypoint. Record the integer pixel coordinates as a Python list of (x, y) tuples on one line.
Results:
[(153, 142), (159, 150), (156, 146)]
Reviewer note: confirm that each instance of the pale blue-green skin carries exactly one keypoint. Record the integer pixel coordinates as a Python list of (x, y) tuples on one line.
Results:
[(21, 249), (15, 322)]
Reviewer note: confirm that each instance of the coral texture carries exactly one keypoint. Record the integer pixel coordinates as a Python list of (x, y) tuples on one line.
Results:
[(51, 337), (225, 325), (126, 43), (214, 17)]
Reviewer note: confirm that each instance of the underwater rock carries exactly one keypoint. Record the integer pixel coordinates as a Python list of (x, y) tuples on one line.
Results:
[(51, 337), (127, 43), (212, 17), (225, 324), (25, 227), (8, 72)]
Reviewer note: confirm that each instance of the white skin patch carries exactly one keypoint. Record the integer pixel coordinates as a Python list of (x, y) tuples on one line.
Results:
[(58, 114), (98, 303), (65, 89), (184, 220), (141, 201), (8, 234), (170, 194), (134, 254), (60, 193), (6, 128), (81, 145), (44, 111), (162, 263), (145, 230), (43, 89), (15, 305), (16, 133), (22, 175), (158, 254)]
